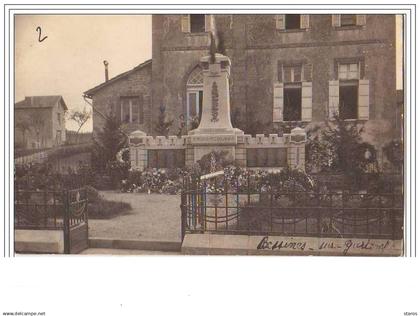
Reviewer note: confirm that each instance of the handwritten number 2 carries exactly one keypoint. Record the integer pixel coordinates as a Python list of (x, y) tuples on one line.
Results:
[(38, 29)]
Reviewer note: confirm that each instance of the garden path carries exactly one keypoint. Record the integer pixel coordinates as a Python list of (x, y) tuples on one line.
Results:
[(153, 217)]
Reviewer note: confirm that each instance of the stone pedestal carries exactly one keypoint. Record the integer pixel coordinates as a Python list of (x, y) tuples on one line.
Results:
[(138, 153), (296, 150), (215, 132)]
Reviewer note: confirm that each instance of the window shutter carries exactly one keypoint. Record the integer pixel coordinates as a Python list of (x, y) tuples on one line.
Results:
[(209, 24), (279, 72), (307, 72), (363, 102), (361, 19), (334, 98), (304, 21), (185, 23), (280, 21), (278, 102), (307, 101), (336, 20)]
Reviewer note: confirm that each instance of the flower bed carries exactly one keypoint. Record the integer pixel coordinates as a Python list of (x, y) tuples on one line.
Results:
[(154, 180), (170, 181)]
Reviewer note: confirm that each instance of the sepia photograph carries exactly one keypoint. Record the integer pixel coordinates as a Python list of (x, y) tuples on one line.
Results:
[(209, 134)]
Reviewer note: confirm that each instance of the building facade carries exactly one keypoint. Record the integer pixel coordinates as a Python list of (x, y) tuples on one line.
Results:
[(40, 122), (127, 96), (287, 70)]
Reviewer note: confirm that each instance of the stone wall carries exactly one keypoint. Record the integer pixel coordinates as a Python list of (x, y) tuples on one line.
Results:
[(136, 83), (293, 144)]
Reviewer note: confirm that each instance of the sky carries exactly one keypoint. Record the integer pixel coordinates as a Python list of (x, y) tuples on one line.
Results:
[(70, 60)]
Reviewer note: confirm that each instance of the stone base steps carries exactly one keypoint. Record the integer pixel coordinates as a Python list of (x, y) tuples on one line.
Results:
[(145, 245), (39, 241)]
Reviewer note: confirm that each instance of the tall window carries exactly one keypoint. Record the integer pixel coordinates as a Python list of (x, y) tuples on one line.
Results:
[(131, 110), (292, 21), (348, 75), (292, 77), (197, 23), (194, 95)]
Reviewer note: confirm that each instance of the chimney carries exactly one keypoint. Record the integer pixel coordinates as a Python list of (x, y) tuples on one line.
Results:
[(29, 101), (106, 70)]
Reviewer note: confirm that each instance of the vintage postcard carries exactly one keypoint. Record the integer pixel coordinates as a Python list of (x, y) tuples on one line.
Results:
[(165, 159)]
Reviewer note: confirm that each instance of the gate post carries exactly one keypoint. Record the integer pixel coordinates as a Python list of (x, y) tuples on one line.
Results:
[(66, 222), (183, 214), (296, 149), (138, 152)]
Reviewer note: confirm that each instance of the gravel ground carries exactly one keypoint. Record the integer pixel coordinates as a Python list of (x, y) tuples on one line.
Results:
[(153, 217)]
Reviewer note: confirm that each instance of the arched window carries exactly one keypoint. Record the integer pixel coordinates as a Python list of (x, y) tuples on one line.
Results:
[(194, 94)]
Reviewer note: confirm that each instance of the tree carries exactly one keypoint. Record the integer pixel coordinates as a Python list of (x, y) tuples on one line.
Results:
[(187, 125), (394, 152), (80, 117), (163, 124), (108, 143), (338, 147)]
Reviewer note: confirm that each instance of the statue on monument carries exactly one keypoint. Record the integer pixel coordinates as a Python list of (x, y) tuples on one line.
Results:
[(215, 118), (215, 131)]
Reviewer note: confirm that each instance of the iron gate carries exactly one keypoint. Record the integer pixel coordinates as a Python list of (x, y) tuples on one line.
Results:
[(55, 210), (225, 208)]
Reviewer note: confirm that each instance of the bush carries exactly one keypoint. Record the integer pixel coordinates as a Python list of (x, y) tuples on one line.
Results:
[(394, 152), (154, 180), (92, 194), (100, 208), (163, 124), (108, 144), (214, 161), (104, 209), (338, 148), (117, 171)]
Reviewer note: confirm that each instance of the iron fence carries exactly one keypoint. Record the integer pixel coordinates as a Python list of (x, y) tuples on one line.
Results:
[(221, 207)]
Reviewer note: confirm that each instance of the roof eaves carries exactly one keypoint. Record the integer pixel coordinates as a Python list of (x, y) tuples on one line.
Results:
[(89, 93)]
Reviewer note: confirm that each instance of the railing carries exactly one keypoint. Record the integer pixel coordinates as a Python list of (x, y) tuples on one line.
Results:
[(212, 208), (51, 210), (32, 158)]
